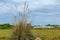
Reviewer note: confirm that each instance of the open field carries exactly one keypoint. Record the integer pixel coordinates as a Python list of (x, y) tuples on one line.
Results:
[(44, 34), (5, 34), (47, 34)]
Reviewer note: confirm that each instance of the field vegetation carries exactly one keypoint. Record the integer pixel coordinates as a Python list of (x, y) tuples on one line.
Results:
[(45, 34)]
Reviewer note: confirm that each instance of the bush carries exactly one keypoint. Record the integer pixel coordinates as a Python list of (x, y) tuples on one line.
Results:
[(5, 26)]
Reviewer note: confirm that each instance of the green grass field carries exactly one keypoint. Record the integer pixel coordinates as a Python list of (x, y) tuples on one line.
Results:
[(47, 34), (44, 34), (5, 34)]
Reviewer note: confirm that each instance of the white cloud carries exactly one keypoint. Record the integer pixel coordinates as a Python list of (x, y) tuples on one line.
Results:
[(34, 3), (4, 8), (8, 6)]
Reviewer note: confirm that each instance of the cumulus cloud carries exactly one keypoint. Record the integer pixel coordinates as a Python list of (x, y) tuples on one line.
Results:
[(33, 4), (49, 9)]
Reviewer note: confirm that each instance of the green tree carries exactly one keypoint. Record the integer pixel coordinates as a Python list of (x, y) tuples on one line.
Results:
[(48, 25), (5, 26)]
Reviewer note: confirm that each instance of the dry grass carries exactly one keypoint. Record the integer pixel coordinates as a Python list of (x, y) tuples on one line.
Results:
[(22, 31), (44, 34), (48, 34)]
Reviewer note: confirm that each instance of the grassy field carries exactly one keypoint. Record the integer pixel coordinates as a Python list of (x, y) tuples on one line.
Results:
[(45, 34), (5, 34)]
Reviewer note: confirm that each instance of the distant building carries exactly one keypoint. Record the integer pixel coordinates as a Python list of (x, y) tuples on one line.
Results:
[(43, 27)]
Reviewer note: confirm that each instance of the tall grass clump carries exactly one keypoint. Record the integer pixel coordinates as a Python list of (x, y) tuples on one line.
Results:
[(22, 30)]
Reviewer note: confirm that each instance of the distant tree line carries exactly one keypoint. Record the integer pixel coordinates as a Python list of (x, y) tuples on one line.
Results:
[(8, 26), (54, 26), (5, 26)]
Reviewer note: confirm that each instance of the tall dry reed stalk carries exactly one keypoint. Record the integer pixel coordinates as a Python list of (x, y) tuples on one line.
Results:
[(22, 30)]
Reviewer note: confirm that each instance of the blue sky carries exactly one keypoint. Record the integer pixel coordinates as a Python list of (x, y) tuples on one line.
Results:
[(42, 12)]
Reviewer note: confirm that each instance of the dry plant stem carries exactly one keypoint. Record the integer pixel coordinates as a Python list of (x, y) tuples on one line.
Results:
[(22, 31)]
